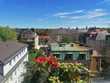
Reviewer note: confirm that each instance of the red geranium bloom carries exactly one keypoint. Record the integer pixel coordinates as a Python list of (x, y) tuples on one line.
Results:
[(40, 59), (53, 62), (55, 65)]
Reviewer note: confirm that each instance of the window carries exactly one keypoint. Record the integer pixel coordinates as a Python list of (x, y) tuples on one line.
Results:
[(57, 55), (14, 59), (82, 57), (61, 45), (72, 45), (22, 49), (68, 57), (10, 63), (17, 56)]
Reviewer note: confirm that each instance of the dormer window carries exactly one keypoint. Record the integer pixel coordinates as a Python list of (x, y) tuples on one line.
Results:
[(61, 45), (18, 56), (72, 45), (10, 63), (14, 58)]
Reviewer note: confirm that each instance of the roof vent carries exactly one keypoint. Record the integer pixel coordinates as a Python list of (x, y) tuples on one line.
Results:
[(72, 45)]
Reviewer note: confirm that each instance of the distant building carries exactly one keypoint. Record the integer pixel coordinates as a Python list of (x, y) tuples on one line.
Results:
[(12, 58), (41, 41), (27, 35), (95, 38), (74, 52), (98, 39), (71, 51), (33, 39), (97, 34)]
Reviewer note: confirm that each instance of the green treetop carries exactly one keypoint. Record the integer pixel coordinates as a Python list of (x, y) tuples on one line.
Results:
[(7, 33)]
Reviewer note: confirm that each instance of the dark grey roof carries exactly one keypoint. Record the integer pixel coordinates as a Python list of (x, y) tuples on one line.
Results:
[(9, 49)]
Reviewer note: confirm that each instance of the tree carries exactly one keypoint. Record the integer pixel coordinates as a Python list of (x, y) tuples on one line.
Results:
[(7, 33), (66, 39)]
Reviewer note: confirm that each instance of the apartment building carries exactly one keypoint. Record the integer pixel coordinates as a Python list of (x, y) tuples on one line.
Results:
[(12, 58)]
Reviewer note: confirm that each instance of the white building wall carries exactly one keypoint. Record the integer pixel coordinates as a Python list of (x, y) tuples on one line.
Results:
[(16, 76), (36, 40)]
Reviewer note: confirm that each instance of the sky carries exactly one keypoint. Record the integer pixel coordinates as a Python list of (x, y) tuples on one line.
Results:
[(54, 13)]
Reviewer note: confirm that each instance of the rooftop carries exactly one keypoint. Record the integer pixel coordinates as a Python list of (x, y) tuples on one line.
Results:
[(68, 47), (8, 50)]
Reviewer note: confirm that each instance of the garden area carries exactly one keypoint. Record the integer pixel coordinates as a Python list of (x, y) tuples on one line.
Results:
[(48, 69)]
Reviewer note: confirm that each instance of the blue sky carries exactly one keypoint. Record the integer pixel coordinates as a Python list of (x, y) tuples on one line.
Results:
[(54, 13)]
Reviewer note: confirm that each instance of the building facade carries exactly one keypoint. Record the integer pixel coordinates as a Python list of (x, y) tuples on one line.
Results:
[(70, 51), (13, 55), (41, 41)]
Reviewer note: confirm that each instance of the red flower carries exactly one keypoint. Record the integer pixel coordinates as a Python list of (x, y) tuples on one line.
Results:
[(53, 62), (40, 59), (55, 65)]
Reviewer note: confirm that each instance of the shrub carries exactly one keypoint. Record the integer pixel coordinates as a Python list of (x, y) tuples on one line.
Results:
[(50, 70)]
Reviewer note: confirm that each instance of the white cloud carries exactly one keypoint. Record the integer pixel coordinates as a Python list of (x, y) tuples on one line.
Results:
[(63, 13), (60, 14), (78, 11), (77, 17), (92, 17), (80, 14), (96, 13)]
